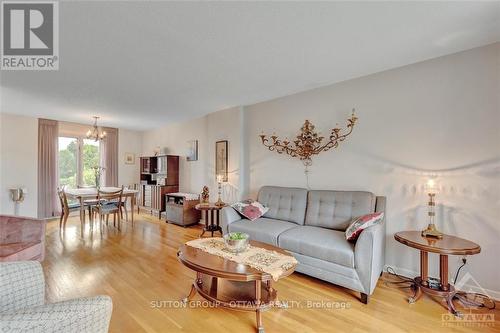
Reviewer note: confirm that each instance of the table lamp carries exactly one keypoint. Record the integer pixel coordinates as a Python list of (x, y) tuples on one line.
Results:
[(431, 230), (219, 202)]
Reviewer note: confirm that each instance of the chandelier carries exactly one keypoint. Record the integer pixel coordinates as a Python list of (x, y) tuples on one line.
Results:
[(96, 132), (309, 142)]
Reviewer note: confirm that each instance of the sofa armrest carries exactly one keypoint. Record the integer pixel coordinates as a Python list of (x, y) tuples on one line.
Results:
[(90, 314), (369, 251), (228, 216), (22, 285)]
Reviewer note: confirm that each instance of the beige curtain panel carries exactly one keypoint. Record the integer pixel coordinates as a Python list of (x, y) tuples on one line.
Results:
[(47, 168), (109, 157)]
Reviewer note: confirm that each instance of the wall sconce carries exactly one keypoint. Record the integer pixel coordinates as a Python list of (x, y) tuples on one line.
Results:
[(17, 195)]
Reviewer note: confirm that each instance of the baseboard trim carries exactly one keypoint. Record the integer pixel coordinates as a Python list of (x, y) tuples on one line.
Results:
[(475, 287)]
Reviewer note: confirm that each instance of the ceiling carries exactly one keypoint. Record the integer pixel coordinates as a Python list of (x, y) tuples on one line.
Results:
[(141, 65)]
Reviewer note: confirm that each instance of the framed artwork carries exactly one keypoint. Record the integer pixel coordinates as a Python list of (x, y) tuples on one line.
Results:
[(129, 158), (192, 150), (221, 156)]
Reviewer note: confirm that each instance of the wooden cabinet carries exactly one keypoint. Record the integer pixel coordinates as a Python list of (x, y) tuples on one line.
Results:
[(180, 210), (159, 176)]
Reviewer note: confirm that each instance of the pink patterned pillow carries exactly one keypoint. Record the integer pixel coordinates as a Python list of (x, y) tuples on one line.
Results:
[(360, 223), (250, 209)]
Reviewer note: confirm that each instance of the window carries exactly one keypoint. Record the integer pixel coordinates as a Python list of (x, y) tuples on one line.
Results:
[(90, 159), (68, 161), (77, 158)]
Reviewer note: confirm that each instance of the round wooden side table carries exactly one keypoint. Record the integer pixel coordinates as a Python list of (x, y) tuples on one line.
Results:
[(211, 214), (448, 245)]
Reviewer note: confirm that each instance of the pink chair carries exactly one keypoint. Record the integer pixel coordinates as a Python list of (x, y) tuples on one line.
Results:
[(21, 238)]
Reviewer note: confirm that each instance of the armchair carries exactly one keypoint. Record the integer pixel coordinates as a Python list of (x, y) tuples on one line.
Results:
[(23, 307)]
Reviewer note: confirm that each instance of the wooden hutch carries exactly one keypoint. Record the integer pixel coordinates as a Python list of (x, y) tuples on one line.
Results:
[(159, 176)]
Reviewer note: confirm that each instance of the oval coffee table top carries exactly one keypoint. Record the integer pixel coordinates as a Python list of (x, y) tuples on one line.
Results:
[(203, 262), (449, 245)]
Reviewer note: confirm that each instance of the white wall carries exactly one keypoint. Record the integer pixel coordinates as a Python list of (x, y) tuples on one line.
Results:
[(18, 162), (192, 174), (217, 126), (224, 125), (438, 118), (129, 142)]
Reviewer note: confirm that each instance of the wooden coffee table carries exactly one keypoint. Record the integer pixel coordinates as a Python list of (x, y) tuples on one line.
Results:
[(448, 245), (229, 284)]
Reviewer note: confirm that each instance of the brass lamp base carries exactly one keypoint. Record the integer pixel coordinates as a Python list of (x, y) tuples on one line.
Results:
[(220, 203), (431, 231)]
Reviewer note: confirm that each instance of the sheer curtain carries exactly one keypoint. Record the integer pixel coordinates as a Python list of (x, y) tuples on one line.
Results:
[(48, 132), (109, 157)]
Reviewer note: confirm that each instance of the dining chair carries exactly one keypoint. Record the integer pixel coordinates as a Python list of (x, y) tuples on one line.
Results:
[(89, 203), (108, 203), (123, 205), (65, 207), (135, 187)]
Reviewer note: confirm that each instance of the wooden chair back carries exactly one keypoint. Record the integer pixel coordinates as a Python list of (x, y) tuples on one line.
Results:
[(110, 196), (63, 199)]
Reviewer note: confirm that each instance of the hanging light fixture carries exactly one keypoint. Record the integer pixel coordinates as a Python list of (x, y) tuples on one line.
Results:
[(96, 132)]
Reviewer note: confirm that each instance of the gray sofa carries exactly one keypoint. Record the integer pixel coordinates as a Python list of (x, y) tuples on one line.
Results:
[(311, 225)]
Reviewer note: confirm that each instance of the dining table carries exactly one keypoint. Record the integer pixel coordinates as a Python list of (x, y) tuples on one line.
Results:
[(90, 193)]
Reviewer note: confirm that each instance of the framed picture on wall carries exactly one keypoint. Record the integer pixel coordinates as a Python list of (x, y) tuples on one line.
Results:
[(129, 158), (192, 150), (221, 157)]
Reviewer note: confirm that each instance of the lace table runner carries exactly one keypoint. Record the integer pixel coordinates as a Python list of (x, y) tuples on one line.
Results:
[(271, 262)]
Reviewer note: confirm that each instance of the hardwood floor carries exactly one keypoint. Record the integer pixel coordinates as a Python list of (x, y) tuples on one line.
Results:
[(138, 268)]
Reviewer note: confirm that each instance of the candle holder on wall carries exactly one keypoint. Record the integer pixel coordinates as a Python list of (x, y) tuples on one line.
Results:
[(308, 142)]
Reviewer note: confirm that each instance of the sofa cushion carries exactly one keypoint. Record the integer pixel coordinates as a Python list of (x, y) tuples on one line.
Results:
[(250, 209), (285, 203), (361, 223), (326, 244), (263, 229), (336, 209)]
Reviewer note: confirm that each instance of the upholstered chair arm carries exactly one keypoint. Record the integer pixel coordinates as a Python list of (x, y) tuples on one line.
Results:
[(91, 314), (228, 216), (369, 252), (21, 285)]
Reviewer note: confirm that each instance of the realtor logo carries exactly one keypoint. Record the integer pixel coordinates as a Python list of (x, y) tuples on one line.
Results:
[(30, 35)]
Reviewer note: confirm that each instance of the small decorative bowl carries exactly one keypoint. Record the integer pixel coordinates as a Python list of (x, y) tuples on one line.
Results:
[(236, 242)]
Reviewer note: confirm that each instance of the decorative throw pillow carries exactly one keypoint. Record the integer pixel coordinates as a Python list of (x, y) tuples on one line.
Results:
[(250, 209), (360, 223)]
